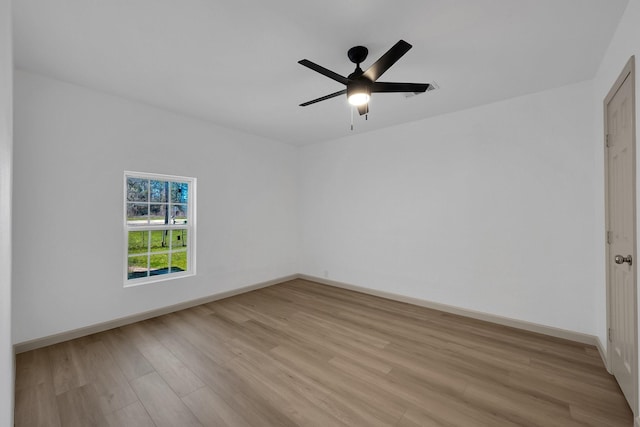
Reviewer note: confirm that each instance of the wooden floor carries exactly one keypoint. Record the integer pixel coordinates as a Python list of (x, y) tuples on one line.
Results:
[(300, 353)]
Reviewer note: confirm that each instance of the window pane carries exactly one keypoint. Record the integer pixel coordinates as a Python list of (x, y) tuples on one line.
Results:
[(137, 214), (178, 239), (179, 192), (137, 267), (159, 264), (137, 189), (179, 214), (158, 229), (138, 241), (158, 214), (178, 261), (159, 191), (159, 240)]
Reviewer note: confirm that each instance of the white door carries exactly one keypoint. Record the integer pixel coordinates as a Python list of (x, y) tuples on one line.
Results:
[(621, 257)]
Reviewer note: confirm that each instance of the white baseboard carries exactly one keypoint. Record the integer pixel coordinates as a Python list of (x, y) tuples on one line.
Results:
[(505, 321), (603, 354), (636, 422), (100, 327)]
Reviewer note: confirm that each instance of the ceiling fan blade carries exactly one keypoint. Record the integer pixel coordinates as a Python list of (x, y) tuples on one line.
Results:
[(399, 87), (387, 60), (333, 95), (325, 72), (363, 109)]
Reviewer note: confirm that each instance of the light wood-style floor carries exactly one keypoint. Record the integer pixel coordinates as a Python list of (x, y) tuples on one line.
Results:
[(301, 353)]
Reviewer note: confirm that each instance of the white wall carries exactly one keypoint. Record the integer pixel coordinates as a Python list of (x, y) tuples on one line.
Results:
[(489, 209), (6, 146), (625, 43), (71, 148)]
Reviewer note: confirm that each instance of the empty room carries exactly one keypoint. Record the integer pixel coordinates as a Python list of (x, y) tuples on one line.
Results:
[(338, 213)]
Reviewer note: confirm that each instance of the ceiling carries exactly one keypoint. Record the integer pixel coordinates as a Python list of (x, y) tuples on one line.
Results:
[(234, 62)]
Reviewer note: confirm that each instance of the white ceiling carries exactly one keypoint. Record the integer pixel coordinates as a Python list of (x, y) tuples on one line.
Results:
[(234, 62)]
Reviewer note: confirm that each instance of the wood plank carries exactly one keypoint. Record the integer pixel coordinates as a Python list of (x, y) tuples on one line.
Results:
[(351, 388), (67, 368), (124, 351), (109, 382), (36, 406), (225, 383), (81, 407), (181, 379), (133, 415), (164, 407), (313, 403), (438, 414), (520, 407), (224, 308), (212, 410), (33, 368)]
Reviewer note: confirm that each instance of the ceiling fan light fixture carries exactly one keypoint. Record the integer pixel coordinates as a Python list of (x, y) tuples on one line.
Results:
[(359, 98), (358, 94)]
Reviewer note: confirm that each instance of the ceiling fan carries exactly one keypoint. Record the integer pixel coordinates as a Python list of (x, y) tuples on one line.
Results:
[(361, 84)]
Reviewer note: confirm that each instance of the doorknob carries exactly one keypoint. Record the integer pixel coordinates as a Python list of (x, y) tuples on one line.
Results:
[(619, 259)]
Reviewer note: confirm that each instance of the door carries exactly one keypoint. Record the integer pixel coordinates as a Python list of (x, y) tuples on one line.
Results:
[(621, 233)]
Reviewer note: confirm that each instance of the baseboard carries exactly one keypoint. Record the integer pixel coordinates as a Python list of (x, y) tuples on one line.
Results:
[(500, 320), (100, 327), (603, 353), (636, 422), (505, 321)]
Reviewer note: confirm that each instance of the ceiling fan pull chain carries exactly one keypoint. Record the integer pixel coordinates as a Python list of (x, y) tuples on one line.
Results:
[(352, 108)]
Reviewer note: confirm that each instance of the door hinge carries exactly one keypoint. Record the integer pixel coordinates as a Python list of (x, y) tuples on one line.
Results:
[(607, 140), (610, 335), (609, 237)]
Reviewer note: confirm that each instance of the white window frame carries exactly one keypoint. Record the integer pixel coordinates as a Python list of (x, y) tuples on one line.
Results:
[(190, 226)]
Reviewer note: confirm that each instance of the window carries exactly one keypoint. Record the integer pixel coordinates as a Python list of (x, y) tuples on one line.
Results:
[(159, 223)]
